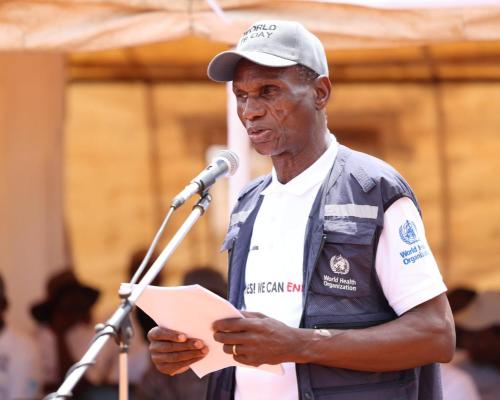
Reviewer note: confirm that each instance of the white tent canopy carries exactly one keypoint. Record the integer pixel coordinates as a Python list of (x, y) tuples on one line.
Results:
[(76, 25)]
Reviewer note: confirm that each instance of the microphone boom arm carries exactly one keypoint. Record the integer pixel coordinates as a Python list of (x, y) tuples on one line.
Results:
[(113, 325)]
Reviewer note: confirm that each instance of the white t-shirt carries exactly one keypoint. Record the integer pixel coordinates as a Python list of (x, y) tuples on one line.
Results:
[(457, 384), (486, 377), (19, 366), (274, 272)]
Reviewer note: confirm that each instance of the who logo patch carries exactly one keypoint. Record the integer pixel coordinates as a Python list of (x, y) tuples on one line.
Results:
[(408, 232), (339, 265)]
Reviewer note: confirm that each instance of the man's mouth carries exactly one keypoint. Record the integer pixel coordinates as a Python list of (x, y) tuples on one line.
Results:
[(257, 135)]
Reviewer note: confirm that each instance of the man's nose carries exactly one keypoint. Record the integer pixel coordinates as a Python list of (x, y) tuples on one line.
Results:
[(252, 109)]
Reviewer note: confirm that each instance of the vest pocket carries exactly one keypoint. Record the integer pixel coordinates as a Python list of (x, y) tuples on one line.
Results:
[(392, 386), (344, 265)]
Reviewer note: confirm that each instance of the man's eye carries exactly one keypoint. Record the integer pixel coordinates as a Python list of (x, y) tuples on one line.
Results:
[(269, 90), (241, 95)]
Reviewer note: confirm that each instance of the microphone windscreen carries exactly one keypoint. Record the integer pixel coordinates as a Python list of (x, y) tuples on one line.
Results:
[(231, 158)]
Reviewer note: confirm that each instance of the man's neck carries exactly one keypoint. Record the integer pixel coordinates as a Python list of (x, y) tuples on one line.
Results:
[(288, 167)]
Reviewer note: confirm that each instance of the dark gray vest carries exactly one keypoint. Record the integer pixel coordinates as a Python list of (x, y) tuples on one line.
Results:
[(341, 289)]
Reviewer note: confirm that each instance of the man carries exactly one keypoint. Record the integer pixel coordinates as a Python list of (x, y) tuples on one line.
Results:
[(457, 383), (65, 329), (479, 325), (330, 246), (19, 360)]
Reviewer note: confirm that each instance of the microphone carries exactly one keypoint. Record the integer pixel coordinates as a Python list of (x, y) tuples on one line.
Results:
[(225, 163)]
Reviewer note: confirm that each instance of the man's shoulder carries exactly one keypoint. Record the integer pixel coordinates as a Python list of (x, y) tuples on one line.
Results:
[(370, 172), (372, 165), (253, 185), (367, 169)]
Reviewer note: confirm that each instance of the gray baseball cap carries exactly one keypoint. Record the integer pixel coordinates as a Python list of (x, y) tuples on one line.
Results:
[(272, 43)]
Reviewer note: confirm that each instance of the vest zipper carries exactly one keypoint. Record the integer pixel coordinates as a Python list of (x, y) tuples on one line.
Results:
[(230, 269)]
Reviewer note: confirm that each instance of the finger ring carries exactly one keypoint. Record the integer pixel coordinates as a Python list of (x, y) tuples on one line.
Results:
[(235, 353)]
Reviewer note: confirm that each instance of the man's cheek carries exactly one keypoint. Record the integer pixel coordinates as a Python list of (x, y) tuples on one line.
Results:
[(280, 115)]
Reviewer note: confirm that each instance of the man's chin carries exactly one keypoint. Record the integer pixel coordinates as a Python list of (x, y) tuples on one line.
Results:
[(264, 149)]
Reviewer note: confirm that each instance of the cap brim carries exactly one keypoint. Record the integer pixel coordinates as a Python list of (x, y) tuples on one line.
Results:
[(221, 68)]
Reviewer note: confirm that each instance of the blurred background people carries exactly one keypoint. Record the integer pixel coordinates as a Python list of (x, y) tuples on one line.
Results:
[(186, 386), (207, 277), (457, 383), (19, 359), (459, 298), (479, 323), (65, 329), (138, 354), (145, 323)]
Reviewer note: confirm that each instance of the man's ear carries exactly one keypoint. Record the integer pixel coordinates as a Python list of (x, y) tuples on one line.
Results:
[(323, 88)]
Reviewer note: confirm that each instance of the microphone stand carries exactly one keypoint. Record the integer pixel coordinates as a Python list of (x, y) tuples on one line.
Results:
[(118, 325)]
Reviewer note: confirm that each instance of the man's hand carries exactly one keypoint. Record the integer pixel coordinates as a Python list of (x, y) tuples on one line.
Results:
[(258, 339), (173, 352)]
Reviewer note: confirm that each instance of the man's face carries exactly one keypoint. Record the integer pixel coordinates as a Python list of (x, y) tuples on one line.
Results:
[(70, 308), (277, 108)]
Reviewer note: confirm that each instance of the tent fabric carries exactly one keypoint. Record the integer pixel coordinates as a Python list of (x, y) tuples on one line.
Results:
[(416, 4), (77, 25), (32, 237)]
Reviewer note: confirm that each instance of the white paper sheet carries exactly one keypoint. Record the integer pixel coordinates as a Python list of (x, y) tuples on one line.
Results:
[(192, 310)]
